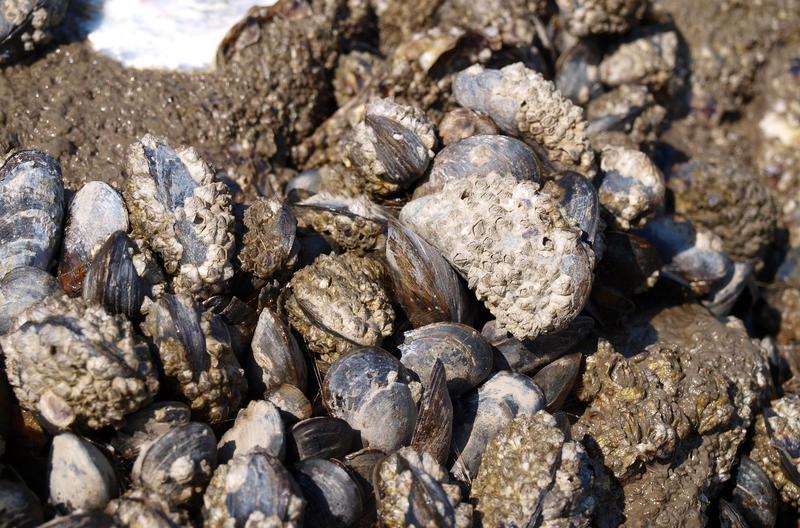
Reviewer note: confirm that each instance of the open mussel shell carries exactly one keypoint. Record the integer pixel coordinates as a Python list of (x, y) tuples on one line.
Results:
[(527, 357), (481, 414), (178, 464), (19, 507), (291, 402), (434, 430), (81, 477), (142, 427), (322, 437), (276, 358), (83, 519), (255, 486), (557, 379), (424, 283), (480, 155), (378, 402), (353, 224), (31, 210), (258, 427), (20, 289), (754, 496), (333, 496), (464, 353), (111, 277), (579, 200), (95, 212)]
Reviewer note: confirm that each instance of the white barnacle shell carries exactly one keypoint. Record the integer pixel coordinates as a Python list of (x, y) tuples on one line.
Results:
[(177, 204), (523, 103), (592, 17), (649, 59), (513, 243), (633, 187), (75, 364)]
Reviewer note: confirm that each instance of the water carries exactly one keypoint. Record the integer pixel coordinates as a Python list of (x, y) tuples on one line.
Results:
[(164, 34)]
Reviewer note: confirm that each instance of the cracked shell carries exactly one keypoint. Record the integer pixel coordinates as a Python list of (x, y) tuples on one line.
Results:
[(26, 25), (481, 414), (253, 489), (727, 198), (76, 364), (392, 147), (333, 496), (258, 427), (177, 204), (523, 103), (379, 401), (20, 289), (777, 446), (594, 17), (177, 465), (632, 187), (270, 244), (31, 210), (339, 302), (532, 475), (95, 213), (74, 460), (195, 351), (412, 489), (465, 355), (515, 247)]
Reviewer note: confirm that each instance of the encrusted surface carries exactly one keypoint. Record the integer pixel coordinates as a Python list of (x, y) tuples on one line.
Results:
[(355, 224), (784, 421), (591, 17), (513, 245), (632, 188), (269, 245), (649, 59)]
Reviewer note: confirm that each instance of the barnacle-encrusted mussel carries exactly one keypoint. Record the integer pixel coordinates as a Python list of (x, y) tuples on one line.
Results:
[(632, 188), (720, 194), (777, 446), (20, 289), (178, 464), (95, 212), (270, 244), (81, 478), (513, 244), (481, 414), (392, 148), (138, 508), (626, 116), (182, 210), (253, 490), (26, 25), (338, 303), (76, 364), (412, 489), (592, 17), (532, 474), (31, 210), (466, 356), (379, 402), (523, 103), (648, 58), (195, 351)]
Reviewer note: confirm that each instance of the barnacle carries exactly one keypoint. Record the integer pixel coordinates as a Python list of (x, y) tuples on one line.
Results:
[(406, 480), (270, 243), (76, 364), (777, 448), (27, 24), (648, 59), (531, 469), (177, 204), (726, 197), (339, 302), (632, 188), (522, 102), (592, 17), (514, 246)]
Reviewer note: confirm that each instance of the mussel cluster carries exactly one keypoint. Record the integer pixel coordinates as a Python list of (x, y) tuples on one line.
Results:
[(485, 288)]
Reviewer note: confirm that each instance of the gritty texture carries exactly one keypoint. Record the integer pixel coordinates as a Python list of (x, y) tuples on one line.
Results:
[(354, 224), (182, 210), (76, 364), (26, 25), (728, 198), (339, 302), (530, 468), (514, 246), (649, 59), (399, 19), (406, 479), (195, 352), (784, 421), (510, 20), (668, 411), (592, 17), (146, 510), (522, 102), (632, 189), (270, 244), (253, 490), (627, 116)]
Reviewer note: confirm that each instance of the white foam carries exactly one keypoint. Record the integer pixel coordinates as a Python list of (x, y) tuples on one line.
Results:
[(166, 34)]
